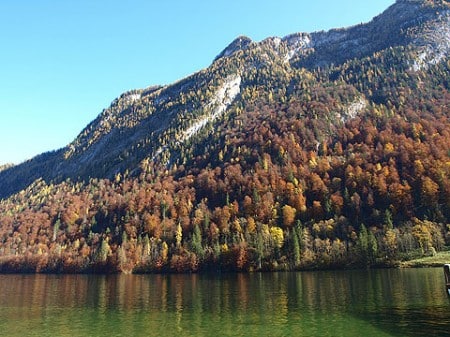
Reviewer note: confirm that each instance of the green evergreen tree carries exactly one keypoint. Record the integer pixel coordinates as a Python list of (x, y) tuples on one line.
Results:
[(363, 245), (295, 247), (388, 219), (259, 248), (372, 247), (197, 246), (103, 251)]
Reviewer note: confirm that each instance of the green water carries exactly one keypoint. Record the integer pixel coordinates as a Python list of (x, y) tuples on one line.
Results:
[(336, 303)]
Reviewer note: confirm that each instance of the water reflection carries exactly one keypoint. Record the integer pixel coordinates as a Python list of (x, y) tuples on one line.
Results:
[(338, 303)]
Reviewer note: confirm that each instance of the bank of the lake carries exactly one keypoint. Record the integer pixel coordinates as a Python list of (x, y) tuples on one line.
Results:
[(437, 260)]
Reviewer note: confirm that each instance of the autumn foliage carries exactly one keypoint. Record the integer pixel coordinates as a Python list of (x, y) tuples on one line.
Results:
[(290, 180)]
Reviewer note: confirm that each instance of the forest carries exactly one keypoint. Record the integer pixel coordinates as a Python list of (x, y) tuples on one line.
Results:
[(345, 166)]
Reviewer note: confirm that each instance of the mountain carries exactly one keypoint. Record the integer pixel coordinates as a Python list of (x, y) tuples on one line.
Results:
[(134, 126), (315, 149)]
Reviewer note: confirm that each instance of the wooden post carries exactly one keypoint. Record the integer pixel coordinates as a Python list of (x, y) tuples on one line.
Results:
[(447, 278)]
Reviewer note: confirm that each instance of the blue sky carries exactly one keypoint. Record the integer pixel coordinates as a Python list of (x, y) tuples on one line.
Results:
[(63, 61)]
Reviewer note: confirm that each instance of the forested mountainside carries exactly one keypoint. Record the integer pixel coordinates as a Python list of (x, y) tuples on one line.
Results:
[(316, 150)]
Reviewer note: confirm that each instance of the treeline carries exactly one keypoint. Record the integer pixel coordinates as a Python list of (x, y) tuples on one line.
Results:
[(342, 167)]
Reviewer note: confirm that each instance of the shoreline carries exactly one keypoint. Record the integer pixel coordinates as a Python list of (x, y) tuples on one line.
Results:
[(436, 261)]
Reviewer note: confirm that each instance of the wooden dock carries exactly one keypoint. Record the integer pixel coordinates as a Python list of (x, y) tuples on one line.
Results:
[(447, 278)]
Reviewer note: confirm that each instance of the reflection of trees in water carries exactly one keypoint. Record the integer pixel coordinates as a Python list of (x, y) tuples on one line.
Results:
[(397, 302)]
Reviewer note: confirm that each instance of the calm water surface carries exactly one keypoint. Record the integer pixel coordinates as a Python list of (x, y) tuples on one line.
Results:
[(351, 303)]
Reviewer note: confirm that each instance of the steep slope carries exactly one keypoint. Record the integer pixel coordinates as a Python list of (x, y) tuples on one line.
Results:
[(154, 122), (322, 149)]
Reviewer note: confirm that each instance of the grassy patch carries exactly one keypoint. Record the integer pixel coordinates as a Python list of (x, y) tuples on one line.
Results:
[(437, 260)]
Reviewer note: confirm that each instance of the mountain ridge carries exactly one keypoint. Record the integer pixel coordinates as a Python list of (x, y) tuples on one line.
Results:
[(142, 109)]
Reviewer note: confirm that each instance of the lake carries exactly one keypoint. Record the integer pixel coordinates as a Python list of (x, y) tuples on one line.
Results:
[(409, 302)]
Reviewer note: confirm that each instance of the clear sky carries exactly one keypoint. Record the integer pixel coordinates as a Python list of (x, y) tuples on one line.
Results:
[(63, 61)]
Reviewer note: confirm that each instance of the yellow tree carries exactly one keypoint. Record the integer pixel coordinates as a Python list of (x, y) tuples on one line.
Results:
[(277, 236)]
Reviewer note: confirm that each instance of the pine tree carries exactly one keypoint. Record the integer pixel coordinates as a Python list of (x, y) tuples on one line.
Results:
[(103, 251), (197, 246), (363, 245), (372, 247), (295, 247)]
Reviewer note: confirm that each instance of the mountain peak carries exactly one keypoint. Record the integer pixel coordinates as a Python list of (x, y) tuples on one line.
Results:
[(401, 24), (424, 3), (240, 43), (427, 2)]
